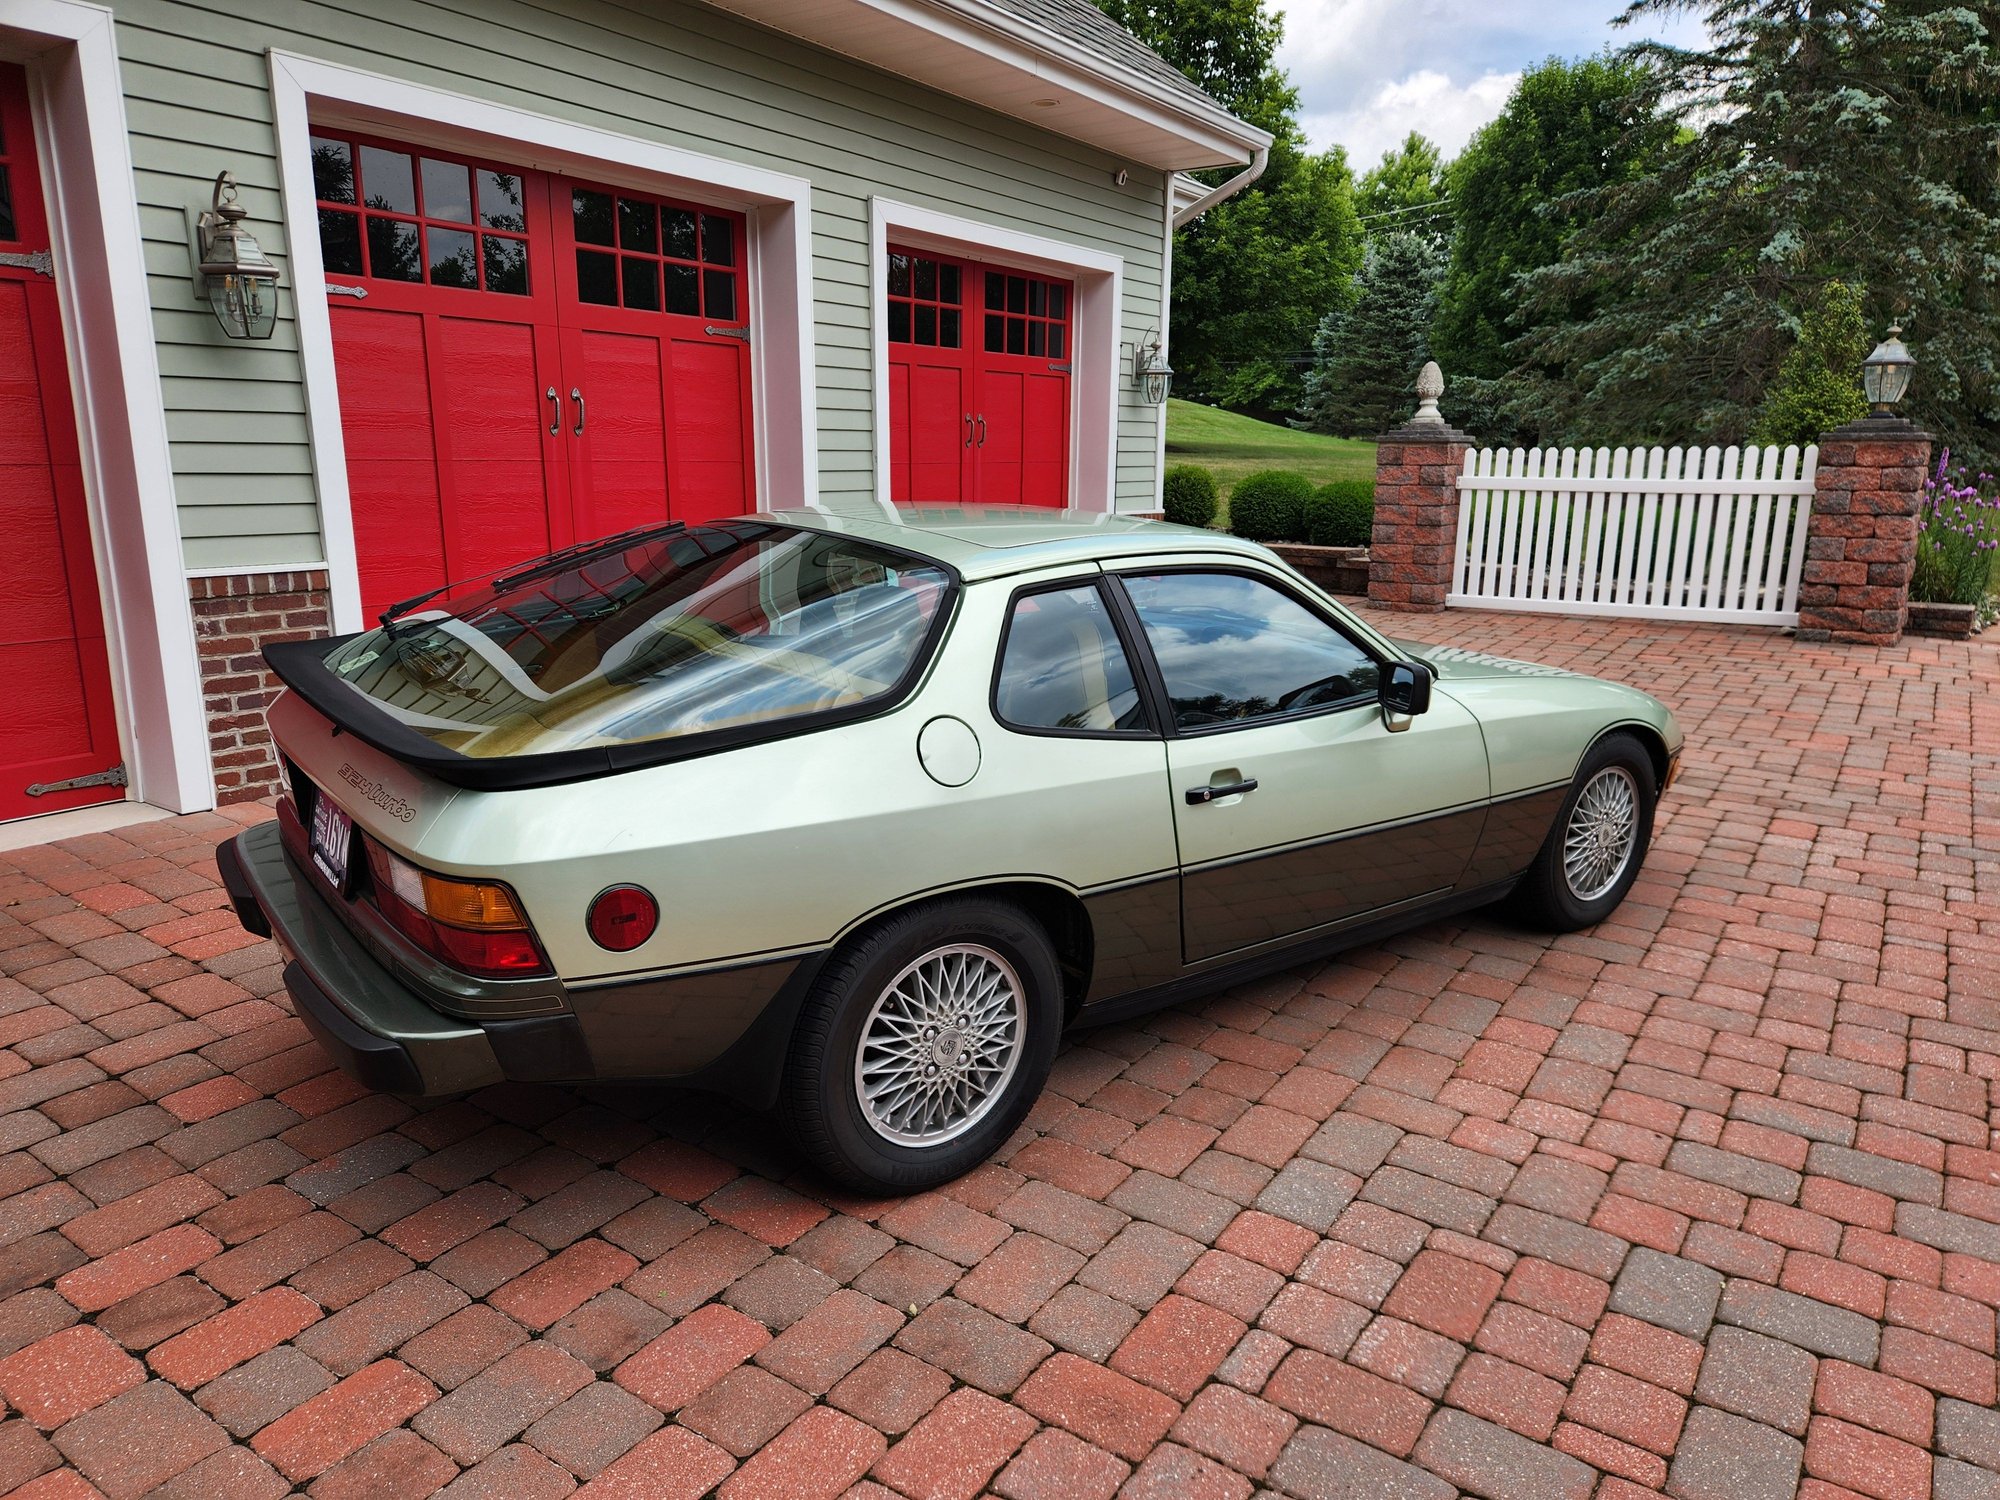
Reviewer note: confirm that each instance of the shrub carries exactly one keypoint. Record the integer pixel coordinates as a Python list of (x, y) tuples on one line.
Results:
[(1188, 494), (1342, 514), (1270, 506), (1960, 536)]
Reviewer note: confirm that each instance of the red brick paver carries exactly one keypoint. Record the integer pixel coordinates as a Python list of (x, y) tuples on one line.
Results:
[(1706, 1200)]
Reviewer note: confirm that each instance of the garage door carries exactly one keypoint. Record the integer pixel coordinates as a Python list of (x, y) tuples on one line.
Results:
[(524, 360), (59, 724), (979, 382)]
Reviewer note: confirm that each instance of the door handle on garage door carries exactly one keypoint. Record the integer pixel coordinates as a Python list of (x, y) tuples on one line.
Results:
[(982, 431), (576, 395), (555, 410), (1215, 791), (968, 429)]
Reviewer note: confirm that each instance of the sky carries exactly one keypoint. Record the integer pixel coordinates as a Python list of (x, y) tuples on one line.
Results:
[(1371, 71)]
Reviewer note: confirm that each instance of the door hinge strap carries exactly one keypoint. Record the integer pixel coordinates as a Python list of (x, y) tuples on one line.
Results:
[(43, 261), (113, 777), (727, 333), (356, 292)]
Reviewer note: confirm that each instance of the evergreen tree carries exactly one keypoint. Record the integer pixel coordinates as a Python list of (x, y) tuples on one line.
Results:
[(1819, 385), (1826, 139), (1568, 128), (1396, 191), (1253, 274), (1366, 358)]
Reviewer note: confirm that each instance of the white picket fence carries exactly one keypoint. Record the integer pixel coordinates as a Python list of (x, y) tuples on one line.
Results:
[(1663, 533)]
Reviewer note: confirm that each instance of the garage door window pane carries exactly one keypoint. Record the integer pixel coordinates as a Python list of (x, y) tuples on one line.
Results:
[(597, 278), (339, 242), (1234, 649), (1064, 668), (719, 294), (683, 290), (333, 170), (388, 181), (447, 191), (7, 231), (506, 265), (718, 241), (453, 260), (642, 283), (392, 251), (638, 225), (677, 233), (592, 213), (500, 201)]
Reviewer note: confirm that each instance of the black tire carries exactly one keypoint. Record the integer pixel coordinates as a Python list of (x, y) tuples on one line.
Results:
[(1545, 898), (820, 1100)]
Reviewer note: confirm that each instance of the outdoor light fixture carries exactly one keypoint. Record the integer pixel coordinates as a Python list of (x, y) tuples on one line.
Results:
[(237, 277), (1150, 371), (1885, 374)]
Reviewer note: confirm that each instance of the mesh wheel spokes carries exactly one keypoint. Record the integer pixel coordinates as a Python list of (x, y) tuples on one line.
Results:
[(940, 1045), (1603, 831)]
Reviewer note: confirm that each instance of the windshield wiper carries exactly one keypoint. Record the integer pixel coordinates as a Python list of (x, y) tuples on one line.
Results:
[(541, 567)]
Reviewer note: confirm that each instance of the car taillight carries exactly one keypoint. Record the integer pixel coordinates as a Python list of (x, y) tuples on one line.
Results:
[(622, 918), (474, 925)]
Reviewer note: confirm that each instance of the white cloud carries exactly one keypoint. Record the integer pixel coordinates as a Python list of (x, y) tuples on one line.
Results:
[(1426, 100)]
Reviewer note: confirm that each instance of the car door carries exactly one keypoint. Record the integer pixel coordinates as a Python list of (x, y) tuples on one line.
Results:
[(1298, 804)]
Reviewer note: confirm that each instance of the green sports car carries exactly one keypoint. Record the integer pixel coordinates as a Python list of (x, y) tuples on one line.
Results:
[(853, 816)]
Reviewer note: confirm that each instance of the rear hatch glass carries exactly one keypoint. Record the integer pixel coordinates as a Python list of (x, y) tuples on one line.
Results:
[(729, 629)]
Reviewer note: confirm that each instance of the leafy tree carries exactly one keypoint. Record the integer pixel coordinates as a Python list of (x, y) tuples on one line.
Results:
[(1827, 139), (1366, 358), (1395, 191), (1568, 128), (1253, 275), (1819, 385)]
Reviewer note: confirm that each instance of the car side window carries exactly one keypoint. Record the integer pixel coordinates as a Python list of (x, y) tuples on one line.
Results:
[(1233, 649), (1063, 667)]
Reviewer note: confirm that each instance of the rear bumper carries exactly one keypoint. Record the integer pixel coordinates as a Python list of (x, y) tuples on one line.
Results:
[(375, 1026), (382, 1030)]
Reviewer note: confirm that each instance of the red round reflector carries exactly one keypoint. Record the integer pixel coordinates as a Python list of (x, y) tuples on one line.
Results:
[(622, 918)]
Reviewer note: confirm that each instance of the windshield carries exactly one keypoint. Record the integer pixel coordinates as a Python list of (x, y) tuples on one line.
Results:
[(720, 626)]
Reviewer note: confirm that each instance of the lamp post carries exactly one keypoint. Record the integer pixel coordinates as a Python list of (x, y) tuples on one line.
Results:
[(238, 278), (1885, 374)]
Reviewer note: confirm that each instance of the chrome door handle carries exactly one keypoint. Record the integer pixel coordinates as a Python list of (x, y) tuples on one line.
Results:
[(1197, 795), (968, 429), (576, 395), (555, 411), (982, 432)]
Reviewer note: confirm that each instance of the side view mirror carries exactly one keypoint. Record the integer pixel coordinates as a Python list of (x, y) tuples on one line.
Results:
[(1405, 691)]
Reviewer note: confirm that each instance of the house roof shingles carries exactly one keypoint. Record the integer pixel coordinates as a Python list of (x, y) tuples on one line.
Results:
[(1082, 24)]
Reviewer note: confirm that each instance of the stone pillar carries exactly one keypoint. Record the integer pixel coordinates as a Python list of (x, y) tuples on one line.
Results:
[(1416, 505), (1861, 542)]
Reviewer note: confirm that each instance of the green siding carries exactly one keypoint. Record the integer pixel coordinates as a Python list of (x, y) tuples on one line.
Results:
[(197, 96)]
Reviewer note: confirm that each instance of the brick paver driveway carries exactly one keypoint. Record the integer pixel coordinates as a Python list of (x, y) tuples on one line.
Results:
[(1705, 1199)]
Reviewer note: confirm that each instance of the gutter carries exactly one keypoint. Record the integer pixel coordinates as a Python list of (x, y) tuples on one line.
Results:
[(1260, 158)]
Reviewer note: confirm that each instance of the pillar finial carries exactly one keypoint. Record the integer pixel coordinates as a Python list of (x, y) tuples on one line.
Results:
[(1430, 386)]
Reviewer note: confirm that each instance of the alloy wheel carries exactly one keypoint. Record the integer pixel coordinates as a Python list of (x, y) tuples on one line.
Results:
[(940, 1045)]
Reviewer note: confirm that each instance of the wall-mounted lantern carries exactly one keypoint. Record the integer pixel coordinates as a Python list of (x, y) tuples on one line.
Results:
[(1885, 374), (1151, 373), (236, 276)]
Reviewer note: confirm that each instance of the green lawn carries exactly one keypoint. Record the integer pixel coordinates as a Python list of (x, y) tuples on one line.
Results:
[(1230, 446)]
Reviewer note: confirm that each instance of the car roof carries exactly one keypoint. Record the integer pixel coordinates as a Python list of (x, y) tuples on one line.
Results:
[(992, 541)]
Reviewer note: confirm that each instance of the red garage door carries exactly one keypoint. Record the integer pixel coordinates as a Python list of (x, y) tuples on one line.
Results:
[(59, 722), (524, 361), (979, 371)]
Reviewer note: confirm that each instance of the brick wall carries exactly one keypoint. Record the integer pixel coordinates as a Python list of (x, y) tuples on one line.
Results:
[(1861, 542), (1416, 515), (235, 617)]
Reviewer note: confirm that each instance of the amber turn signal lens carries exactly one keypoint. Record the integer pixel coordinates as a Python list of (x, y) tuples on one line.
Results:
[(470, 903), (622, 918)]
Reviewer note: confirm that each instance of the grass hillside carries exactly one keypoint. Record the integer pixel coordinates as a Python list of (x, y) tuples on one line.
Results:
[(1230, 446)]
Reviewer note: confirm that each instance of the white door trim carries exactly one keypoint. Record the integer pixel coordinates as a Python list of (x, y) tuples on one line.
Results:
[(778, 263), (1099, 280), (77, 97)]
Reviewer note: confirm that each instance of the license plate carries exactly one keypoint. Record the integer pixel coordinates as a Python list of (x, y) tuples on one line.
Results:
[(332, 837)]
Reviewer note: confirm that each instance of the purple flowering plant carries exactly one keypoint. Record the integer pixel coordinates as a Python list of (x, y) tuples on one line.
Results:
[(1958, 541)]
